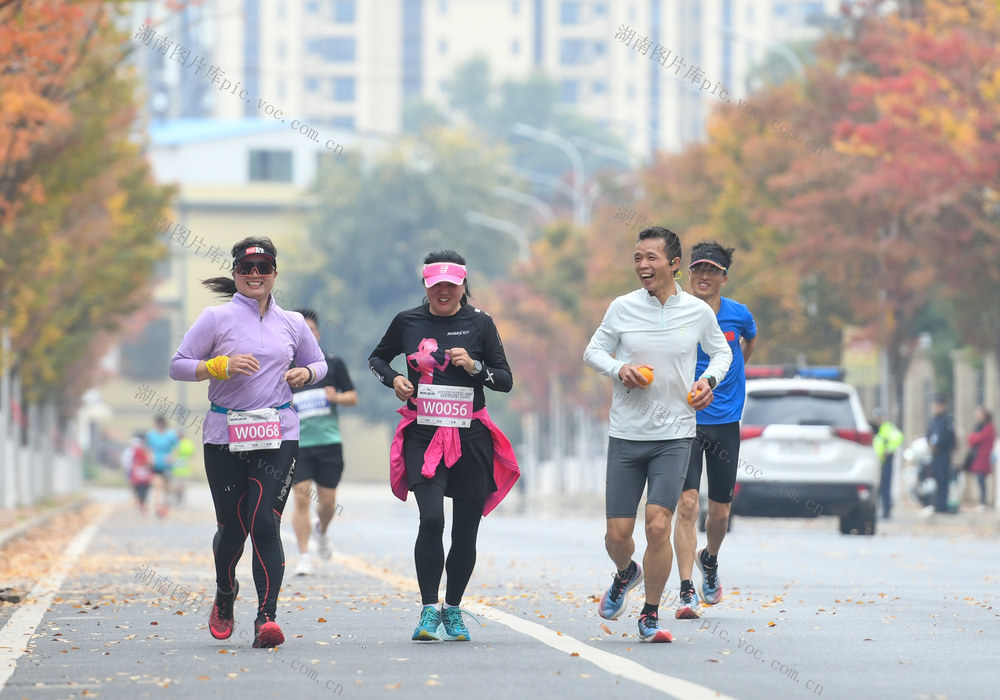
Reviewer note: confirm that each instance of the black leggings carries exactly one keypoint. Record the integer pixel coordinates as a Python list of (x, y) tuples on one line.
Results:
[(428, 552), (249, 490)]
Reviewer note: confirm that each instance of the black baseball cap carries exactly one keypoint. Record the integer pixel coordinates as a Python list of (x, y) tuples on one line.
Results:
[(711, 256)]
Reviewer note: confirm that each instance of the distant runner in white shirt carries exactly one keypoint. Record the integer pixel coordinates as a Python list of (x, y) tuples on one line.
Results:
[(652, 422)]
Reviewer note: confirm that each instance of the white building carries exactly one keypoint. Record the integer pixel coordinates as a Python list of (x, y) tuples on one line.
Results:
[(354, 63)]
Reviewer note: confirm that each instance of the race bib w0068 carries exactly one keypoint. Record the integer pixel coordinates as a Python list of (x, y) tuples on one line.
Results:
[(450, 406), (254, 430)]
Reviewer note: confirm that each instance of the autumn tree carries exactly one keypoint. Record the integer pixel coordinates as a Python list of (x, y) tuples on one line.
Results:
[(906, 207), (74, 258)]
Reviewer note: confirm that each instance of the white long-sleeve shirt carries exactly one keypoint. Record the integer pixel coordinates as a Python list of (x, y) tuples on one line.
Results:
[(638, 330)]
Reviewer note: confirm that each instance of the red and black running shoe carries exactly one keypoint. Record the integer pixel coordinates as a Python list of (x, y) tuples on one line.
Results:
[(220, 620), (267, 633)]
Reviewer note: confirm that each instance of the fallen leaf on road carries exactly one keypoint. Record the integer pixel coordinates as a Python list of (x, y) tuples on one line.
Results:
[(394, 686), (607, 630), (574, 654)]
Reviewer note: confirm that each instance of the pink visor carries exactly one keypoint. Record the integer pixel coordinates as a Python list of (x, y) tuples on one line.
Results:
[(443, 272)]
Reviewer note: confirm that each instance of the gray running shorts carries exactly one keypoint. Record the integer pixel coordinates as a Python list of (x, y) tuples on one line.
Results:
[(633, 463)]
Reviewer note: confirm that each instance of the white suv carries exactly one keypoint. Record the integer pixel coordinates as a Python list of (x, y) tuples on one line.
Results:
[(806, 450)]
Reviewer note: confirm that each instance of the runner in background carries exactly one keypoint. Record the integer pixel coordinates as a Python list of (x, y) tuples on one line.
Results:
[(138, 469), (162, 443), (251, 434), (717, 444), (321, 454), (446, 444), (182, 469), (652, 421)]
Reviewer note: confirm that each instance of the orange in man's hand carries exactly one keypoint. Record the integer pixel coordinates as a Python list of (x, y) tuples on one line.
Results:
[(691, 397), (647, 374)]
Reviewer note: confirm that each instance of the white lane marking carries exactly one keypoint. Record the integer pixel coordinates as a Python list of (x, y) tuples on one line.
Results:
[(15, 637), (612, 663)]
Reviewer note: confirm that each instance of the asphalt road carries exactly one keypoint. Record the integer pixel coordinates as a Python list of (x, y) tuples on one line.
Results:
[(807, 613)]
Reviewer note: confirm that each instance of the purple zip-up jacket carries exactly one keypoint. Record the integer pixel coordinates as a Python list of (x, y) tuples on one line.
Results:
[(276, 339)]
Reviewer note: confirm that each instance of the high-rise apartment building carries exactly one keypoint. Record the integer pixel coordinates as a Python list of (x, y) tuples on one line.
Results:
[(650, 70)]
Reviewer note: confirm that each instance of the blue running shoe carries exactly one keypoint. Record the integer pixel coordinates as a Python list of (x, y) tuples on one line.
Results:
[(454, 627), (613, 599), (711, 588), (649, 629), (430, 628), (687, 605)]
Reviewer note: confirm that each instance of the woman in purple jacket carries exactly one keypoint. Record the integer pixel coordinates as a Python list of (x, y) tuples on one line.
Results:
[(244, 348)]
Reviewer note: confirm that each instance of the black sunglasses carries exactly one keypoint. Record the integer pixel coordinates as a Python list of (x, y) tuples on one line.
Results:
[(246, 267)]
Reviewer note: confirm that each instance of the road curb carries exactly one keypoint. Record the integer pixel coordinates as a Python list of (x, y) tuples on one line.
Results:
[(14, 533)]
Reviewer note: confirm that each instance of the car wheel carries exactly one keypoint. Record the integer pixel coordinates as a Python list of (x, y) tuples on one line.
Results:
[(860, 521)]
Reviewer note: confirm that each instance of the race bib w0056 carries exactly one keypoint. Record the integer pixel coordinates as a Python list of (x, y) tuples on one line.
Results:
[(254, 430), (450, 406)]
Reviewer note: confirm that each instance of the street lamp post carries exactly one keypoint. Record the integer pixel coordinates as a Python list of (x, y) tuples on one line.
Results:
[(535, 203), (772, 46), (571, 151), (504, 226)]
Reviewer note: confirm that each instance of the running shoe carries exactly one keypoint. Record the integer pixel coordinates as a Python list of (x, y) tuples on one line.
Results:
[(687, 605), (430, 628), (323, 542), (649, 629), (711, 587), (613, 599), (305, 566), (266, 633), (454, 626), (220, 620)]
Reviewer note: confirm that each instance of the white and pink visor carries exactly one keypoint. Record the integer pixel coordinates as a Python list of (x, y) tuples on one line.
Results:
[(443, 272)]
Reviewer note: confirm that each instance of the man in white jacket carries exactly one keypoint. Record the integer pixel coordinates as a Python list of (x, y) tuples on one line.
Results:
[(657, 327)]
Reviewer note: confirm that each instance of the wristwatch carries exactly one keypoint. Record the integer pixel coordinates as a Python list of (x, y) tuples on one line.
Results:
[(711, 382), (477, 367)]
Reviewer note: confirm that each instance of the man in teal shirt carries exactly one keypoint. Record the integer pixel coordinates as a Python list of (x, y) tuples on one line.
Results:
[(887, 440), (321, 457)]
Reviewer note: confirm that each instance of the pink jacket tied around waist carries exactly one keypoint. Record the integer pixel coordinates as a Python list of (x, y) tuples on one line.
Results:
[(446, 444)]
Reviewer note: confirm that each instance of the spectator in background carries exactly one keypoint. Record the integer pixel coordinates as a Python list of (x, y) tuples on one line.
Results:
[(941, 441), (888, 439), (980, 450)]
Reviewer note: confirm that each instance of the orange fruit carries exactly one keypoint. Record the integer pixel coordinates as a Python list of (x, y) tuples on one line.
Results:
[(647, 374), (691, 396)]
